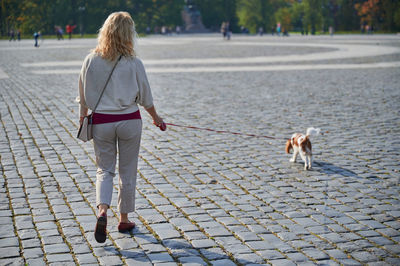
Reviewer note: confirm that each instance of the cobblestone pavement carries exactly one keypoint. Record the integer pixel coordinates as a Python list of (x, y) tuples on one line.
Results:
[(205, 198)]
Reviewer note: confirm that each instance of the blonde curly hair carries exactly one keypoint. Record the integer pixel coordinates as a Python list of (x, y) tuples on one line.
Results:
[(116, 36)]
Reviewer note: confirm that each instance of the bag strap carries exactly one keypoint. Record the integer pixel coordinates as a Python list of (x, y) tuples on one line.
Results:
[(109, 77)]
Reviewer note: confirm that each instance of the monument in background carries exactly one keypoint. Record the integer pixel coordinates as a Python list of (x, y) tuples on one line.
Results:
[(192, 18)]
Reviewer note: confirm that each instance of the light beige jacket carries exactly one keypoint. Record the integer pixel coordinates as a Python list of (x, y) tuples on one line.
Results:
[(128, 86)]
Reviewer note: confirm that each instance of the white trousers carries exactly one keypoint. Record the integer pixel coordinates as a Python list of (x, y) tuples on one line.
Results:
[(106, 138)]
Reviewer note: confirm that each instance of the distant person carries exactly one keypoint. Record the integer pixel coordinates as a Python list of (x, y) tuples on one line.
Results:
[(223, 30), (117, 122), (36, 36), (19, 35), (285, 32), (278, 29), (69, 29), (261, 31), (228, 30), (12, 35), (330, 30), (59, 33)]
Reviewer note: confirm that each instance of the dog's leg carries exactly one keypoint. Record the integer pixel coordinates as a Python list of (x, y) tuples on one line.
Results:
[(310, 159), (304, 158), (294, 157)]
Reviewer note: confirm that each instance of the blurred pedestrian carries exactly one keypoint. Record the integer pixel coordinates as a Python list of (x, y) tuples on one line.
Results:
[(228, 30), (18, 34), (116, 121), (59, 33), (36, 36), (330, 30), (278, 29), (261, 31), (69, 29), (223, 30), (12, 35)]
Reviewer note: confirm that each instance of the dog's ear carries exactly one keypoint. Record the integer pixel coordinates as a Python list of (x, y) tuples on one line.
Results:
[(288, 146)]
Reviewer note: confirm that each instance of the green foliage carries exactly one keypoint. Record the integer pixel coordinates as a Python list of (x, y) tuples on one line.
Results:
[(214, 12), (254, 14), (29, 16), (283, 16)]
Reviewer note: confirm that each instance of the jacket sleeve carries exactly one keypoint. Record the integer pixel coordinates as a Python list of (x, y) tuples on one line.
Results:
[(83, 108), (144, 97)]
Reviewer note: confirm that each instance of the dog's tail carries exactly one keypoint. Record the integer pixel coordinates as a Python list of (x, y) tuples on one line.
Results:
[(288, 146), (313, 131)]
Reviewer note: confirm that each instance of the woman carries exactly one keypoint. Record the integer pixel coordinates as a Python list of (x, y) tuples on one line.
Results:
[(116, 120)]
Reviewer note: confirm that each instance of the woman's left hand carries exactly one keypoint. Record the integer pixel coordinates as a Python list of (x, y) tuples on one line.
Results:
[(157, 121)]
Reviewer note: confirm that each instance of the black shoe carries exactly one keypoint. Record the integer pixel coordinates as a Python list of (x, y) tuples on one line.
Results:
[(100, 233)]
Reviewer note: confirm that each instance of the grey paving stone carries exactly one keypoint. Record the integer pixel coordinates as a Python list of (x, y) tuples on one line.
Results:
[(315, 254), (160, 257), (165, 230), (56, 248), (8, 252), (59, 258), (126, 243), (153, 248), (193, 260), (364, 256), (260, 245), (203, 243), (282, 262), (36, 262), (9, 242), (31, 253), (110, 260), (223, 262), (270, 254), (297, 257), (86, 259)]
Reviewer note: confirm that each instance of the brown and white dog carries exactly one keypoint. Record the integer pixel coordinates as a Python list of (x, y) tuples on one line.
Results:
[(301, 144)]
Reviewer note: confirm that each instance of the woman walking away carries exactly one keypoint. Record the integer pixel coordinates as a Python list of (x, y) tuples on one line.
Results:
[(116, 118)]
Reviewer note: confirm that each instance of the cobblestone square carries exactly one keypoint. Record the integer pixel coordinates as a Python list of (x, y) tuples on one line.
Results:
[(207, 197)]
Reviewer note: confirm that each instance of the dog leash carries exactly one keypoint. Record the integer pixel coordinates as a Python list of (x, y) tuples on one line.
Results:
[(222, 131)]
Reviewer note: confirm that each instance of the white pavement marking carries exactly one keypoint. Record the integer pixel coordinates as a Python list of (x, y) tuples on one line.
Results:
[(272, 68), (3, 74), (53, 64), (242, 68), (341, 51)]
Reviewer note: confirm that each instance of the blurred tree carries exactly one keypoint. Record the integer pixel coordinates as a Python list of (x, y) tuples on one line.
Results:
[(214, 12), (297, 16), (369, 12), (313, 15), (389, 10), (254, 14), (10, 12), (347, 17), (283, 16)]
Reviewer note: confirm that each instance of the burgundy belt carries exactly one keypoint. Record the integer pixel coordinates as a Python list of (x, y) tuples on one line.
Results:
[(98, 118)]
